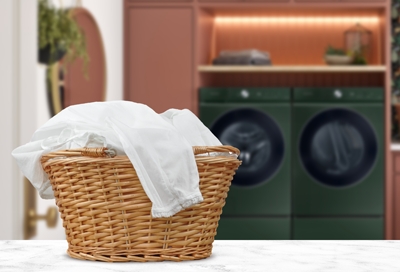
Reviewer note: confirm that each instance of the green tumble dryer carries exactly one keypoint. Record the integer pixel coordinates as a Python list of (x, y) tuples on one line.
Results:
[(338, 163), (257, 121)]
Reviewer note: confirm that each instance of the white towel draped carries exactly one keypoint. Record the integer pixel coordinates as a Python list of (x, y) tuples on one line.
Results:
[(158, 145)]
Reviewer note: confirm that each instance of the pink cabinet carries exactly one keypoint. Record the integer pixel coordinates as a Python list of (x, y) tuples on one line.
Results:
[(211, 1), (272, 1), (317, 1), (339, 1), (268, 1), (160, 1), (363, 1), (159, 56), (264, 1)]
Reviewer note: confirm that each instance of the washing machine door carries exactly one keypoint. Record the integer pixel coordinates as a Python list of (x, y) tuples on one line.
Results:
[(338, 147), (259, 139)]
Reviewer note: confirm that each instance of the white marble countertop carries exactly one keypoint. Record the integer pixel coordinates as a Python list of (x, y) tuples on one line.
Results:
[(227, 256)]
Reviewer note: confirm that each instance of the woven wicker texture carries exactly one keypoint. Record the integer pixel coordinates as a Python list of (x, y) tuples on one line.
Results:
[(107, 215)]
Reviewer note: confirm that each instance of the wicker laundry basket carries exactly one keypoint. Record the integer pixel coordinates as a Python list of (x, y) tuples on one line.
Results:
[(106, 213)]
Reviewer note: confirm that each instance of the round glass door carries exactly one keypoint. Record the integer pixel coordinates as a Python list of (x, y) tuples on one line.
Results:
[(259, 140), (338, 147)]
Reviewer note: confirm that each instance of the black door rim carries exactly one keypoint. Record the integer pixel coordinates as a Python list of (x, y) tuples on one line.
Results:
[(369, 136), (270, 127)]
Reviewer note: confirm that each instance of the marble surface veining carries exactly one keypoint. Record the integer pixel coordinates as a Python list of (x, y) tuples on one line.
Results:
[(243, 256)]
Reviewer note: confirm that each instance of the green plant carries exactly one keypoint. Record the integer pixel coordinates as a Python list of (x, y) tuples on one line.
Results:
[(335, 51), (60, 31), (359, 59)]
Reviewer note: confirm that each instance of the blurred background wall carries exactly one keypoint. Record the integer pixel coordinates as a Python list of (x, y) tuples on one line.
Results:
[(109, 17), (8, 108), (24, 108)]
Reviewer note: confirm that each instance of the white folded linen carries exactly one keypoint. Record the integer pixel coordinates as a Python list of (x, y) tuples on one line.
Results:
[(158, 145)]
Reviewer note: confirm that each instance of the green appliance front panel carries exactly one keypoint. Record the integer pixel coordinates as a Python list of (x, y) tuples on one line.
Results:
[(313, 198), (254, 229), (338, 228), (273, 196)]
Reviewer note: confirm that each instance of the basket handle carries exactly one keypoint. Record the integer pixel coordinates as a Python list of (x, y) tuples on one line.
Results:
[(105, 152), (222, 148), (91, 152)]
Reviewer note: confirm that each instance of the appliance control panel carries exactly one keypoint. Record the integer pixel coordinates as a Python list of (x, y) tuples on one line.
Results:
[(257, 94), (244, 95), (338, 94)]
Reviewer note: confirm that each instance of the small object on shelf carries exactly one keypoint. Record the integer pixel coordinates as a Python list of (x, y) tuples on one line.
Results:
[(337, 56), (358, 43), (243, 57), (338, 60)]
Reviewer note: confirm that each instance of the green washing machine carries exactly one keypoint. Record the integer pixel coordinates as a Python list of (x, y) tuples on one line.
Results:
[(257, 121), (338, 163)]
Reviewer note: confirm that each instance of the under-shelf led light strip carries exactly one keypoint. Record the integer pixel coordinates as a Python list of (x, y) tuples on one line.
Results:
[(296, 19)]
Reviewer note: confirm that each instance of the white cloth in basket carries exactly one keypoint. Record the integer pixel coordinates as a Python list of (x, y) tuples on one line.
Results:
[(158, 145)]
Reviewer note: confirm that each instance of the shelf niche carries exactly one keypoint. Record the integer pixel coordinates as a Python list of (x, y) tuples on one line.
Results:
[(294, 38)]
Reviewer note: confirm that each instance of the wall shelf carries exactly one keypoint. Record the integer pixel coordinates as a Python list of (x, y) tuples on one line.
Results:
[(290, 69)]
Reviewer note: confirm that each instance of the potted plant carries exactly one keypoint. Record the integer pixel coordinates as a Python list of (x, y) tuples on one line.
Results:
[(59, 35), (337, 56)]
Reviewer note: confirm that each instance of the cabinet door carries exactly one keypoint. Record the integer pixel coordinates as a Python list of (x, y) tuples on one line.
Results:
[(268, 1), (340, 1), (160, 1), (276, 1), (363, 1), (317, 1), (220, 0), (158, 53)]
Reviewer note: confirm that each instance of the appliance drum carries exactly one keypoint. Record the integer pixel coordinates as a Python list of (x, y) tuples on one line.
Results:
[(338, 147), (260, 140)]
